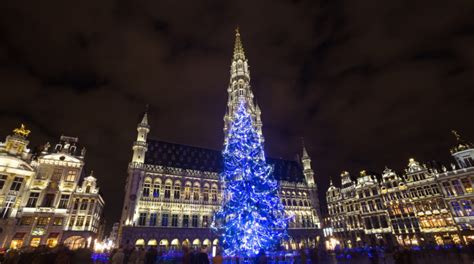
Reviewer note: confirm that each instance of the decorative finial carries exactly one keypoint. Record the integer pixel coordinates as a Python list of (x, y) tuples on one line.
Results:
[(22, 131), (363, 173), (456, 135), (237, 31)]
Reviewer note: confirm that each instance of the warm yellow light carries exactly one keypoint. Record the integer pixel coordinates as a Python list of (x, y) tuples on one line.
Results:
[(22, 131)]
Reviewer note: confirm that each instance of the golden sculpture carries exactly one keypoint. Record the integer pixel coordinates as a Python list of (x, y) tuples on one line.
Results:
[(22, 131)]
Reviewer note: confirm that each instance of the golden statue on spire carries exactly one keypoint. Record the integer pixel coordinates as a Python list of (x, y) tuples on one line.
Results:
[(22, 131)]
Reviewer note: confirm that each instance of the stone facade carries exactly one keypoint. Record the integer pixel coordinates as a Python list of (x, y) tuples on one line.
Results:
[(173, 190), (42, 200), (427, 205)]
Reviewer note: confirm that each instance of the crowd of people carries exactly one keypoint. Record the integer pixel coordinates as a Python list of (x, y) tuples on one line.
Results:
[(155, 255)]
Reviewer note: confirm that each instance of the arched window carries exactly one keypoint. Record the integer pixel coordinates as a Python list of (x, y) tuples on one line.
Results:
[(146, 187), (196, 190), (177, 190), (205, 193), (156, 188), (168, 189), (294, 202), (214, 193), (187, 191)]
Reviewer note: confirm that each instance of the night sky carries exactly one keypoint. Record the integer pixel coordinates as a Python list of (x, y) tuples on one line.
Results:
[(368, 84)]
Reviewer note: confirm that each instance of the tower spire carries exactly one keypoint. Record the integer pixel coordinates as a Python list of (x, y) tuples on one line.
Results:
[(238, 47), (239, 88), (140, 146), (305, 152)]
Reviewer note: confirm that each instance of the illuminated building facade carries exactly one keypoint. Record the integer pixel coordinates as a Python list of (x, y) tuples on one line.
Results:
[(425, 205), (16, 173), (44, 208), (173, 190), (457, 187)]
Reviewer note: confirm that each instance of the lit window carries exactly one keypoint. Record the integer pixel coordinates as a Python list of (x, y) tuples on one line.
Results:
[(58, 221), (466, 205), (466, 182), (71, 176), (42, 221), (457, 209)]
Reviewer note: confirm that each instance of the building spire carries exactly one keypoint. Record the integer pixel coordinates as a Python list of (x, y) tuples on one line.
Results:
[(305, 152), (144, 121), (239, 88), (238, 47)]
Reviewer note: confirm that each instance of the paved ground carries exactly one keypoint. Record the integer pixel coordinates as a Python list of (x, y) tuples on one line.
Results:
[(417, 258)]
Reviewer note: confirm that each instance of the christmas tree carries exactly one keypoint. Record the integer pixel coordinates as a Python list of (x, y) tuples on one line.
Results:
[(252, 217)]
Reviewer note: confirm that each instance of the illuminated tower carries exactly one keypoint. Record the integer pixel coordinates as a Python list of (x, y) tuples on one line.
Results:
[(309, 178), (307, 170), (140, 146), (239, 87), (136, 173)]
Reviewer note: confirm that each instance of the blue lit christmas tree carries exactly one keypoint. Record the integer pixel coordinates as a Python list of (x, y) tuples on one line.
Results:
[(252, 216)]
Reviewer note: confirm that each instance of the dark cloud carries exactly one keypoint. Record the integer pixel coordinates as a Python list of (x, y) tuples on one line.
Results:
[(367, 84)]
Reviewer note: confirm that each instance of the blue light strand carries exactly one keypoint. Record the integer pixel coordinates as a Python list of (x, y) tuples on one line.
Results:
[(252, 217)]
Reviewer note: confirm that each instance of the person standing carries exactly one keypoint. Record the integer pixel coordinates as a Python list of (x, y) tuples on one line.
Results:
[(218, 259), (118, 257), (150, 256), (202, 257)]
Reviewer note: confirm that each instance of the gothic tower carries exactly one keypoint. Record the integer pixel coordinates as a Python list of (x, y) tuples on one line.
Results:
[(309, 178), (239, 89), (307, 170), (140, 146), (136, 173)]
